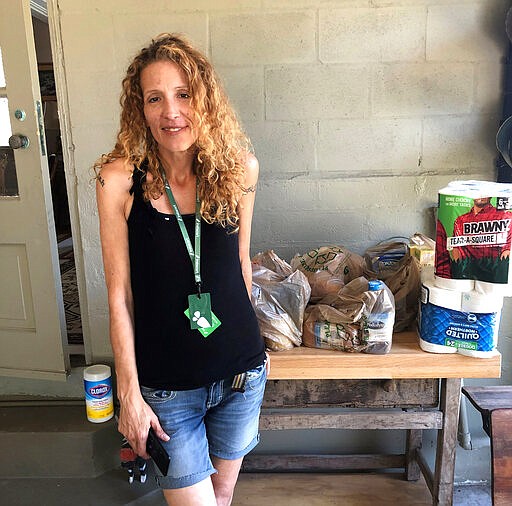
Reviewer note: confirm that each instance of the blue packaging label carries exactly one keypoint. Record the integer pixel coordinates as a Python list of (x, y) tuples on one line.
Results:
[(99, 400), (377, 320), (469, 331), (95, 390)]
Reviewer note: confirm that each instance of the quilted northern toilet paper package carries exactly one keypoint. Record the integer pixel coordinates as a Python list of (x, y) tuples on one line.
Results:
[(452, 321)]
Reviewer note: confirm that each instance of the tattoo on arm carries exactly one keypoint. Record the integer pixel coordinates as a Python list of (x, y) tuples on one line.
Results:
[(250, 189), (100, 180)]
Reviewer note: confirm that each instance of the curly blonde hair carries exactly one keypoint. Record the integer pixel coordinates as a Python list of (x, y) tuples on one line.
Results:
[(221, 147)]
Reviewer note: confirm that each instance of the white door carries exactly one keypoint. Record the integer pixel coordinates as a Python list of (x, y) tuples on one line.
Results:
[(32, 323)]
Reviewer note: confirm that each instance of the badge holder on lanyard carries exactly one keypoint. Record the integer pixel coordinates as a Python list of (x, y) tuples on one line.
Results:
[(199, 310)]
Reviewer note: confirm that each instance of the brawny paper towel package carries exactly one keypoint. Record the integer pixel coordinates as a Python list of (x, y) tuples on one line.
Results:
[(474, 236), (465, 322)]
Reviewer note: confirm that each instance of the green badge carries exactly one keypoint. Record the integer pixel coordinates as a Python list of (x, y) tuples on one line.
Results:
[(205, 331), (200, 311)]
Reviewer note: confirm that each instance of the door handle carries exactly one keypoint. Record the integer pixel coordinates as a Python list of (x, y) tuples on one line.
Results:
[(18, 141)]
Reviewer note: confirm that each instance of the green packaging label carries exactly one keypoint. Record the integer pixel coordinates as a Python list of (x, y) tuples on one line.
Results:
[(473, 238), (464, 345)]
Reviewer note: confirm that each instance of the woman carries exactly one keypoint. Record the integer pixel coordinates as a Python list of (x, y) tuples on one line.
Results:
[(175, 199)]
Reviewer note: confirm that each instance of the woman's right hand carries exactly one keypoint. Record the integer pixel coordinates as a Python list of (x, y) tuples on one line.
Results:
[(135, 419)]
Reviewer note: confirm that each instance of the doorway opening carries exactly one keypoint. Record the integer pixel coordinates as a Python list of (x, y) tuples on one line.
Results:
[(61, 213)]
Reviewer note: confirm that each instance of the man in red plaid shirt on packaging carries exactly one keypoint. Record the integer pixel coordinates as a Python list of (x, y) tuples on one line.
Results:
[(484, 230)]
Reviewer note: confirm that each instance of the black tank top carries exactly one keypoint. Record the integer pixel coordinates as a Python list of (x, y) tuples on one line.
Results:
[(169, 354)]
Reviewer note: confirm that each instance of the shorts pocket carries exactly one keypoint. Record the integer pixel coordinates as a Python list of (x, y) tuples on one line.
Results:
[(157, 395), (257, 377)]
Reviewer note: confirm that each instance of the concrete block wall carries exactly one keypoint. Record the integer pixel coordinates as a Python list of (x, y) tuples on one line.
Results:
[(337, 95), (359, 110)]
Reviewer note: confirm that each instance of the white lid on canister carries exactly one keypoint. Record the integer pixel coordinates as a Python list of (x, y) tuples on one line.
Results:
[(97, 372)]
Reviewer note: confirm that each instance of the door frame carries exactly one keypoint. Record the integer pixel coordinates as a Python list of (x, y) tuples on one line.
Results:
[(59, 70)]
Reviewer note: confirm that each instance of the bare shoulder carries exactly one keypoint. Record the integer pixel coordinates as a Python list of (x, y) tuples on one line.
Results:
[(113, 184), (115, 176), (252, 169)]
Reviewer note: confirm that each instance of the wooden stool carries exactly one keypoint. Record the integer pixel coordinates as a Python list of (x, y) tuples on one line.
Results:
[(495, 405)]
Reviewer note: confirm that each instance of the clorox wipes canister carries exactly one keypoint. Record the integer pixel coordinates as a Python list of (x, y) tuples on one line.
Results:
[(98, 393)]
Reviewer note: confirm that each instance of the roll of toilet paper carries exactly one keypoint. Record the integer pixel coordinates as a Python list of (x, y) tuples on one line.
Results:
[(462, 185), (468, 301), (474, 237), (432, 294), (488, 351), (429, 328), (435, 348), (494, 289), (479, 354), (451, 321), (459, 285), (475, 302)]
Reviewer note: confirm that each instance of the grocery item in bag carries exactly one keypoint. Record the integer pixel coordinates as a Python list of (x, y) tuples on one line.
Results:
[(423, 249), (357, 319), (393, 263), (385, 257), (279, 303), (379, 317), (328, 269), (324, 328)]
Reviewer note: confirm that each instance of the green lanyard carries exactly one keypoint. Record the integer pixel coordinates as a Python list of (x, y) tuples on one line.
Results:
[(194, 253), (199, 311)]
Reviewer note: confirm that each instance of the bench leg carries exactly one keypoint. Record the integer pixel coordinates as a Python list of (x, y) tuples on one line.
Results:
[(413, 444), (446, 442), (501, 456)]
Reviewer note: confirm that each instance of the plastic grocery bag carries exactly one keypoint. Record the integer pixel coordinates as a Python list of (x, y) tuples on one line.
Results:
[(279, 303), (393, 263), (328, 269), (354, 320), (384, 258), (324, 328), (271, 261)]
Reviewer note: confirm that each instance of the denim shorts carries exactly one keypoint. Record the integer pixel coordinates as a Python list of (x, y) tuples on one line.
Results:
[(211, 420)]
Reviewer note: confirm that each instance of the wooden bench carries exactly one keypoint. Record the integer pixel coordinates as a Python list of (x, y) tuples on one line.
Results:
[(495, 406), (413, 390)]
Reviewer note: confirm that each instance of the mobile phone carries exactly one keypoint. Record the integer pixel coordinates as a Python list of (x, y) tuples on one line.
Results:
[(156, 450)]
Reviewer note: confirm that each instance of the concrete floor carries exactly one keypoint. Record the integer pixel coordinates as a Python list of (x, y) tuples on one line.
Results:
[(362, 489)]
